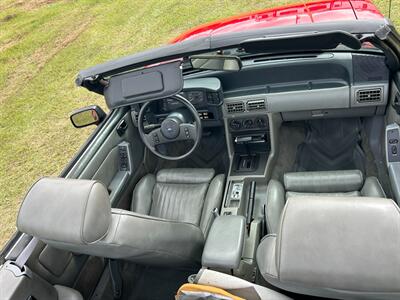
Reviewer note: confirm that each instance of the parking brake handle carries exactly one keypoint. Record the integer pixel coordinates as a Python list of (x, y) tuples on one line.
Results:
[(250, 206)]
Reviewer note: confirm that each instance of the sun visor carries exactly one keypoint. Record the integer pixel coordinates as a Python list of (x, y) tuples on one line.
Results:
[(160, 81)]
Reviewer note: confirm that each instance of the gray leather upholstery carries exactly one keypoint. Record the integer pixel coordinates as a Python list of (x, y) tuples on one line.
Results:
[(325, 183), (182, 195), (66, 293), (75, 215), (224, 244), (314, 254), (69, 211)]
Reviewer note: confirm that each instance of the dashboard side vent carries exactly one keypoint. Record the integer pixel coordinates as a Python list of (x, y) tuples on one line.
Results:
[(256, 105), (235, 107), (369, 95)]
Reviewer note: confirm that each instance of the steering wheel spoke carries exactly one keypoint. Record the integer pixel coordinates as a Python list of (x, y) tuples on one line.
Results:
[(187, 132), (155, 138)]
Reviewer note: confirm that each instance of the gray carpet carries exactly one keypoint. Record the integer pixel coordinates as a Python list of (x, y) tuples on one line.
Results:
[(148, 283)]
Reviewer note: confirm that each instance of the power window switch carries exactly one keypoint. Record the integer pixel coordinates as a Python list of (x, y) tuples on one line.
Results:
[(394, 150)]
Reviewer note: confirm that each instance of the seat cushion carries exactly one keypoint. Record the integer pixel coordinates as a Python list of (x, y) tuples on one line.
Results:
[(314, 254)]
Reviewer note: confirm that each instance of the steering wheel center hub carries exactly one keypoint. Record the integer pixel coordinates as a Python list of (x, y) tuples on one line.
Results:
[(170, 128)]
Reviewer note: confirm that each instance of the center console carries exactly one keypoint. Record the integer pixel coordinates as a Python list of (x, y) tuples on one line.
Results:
[(249, 131), (251, 144)]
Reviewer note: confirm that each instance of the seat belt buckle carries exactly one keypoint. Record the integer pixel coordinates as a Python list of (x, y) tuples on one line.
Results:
[(215, 213)]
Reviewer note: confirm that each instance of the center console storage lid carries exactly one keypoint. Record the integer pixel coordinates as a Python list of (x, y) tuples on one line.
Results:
[(224, 245)]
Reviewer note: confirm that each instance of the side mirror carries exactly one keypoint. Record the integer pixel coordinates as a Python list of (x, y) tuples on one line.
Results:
[(89, 115), (216, 62)]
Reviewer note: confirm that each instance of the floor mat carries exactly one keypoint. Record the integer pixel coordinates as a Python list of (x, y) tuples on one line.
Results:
[(291, 135), (210, 153), (331, 144), (147, 283), (151, 283)]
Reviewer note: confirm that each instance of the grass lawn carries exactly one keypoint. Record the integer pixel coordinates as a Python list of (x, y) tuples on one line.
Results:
[(43, 44)]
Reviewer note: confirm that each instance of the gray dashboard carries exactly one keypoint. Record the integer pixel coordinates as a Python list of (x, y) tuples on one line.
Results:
[(308, 86)]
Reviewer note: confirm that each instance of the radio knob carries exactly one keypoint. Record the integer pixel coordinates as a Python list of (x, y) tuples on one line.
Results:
[(248, 123), (235, 124), (261, 123)]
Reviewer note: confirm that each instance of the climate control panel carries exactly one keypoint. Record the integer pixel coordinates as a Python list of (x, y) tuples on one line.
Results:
[(249, 123)]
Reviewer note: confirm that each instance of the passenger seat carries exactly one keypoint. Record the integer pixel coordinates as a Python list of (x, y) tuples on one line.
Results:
[(322, 183)]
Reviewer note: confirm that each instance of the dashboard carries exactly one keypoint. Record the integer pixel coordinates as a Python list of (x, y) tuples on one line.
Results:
[(313, 85), (321, 85)]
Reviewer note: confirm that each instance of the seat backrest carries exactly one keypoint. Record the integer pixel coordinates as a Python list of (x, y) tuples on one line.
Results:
[(335, 247), (76, 215), (323, 183), (347, 181), (182, 195)]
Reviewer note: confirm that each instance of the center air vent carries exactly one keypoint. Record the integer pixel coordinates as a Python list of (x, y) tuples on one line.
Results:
[(256, 105), (235, 107), (369, 95)]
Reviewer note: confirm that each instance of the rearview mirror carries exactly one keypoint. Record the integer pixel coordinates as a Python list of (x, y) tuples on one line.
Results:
[(216, 62), (89, 115)]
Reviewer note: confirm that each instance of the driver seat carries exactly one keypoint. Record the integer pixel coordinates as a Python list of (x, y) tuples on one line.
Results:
[(180, 195)]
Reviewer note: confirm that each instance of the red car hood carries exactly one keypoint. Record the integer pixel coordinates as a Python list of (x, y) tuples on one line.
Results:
[(312, 12)]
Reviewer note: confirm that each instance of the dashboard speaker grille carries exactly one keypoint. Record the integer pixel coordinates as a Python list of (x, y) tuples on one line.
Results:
[(235, 107), (367, 68), (369, 95), (256, 105)]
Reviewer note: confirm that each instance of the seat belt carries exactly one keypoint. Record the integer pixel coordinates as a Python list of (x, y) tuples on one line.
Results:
[(26, 253), (116, 277)]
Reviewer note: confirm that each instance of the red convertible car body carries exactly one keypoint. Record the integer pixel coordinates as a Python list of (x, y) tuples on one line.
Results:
[(254, 157), (312, 12)]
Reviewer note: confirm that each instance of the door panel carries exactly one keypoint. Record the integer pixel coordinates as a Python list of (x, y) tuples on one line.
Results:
[(114, 157), (119, 158)]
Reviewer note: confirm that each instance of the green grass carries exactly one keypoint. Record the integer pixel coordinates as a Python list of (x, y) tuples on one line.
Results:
[(44, 43)]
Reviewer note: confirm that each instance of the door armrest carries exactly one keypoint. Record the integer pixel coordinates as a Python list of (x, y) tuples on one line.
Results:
[(224, 244)]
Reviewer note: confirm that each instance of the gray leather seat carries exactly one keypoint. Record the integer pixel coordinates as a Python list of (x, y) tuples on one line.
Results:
[(182, 195), (172, 215), (66, 293), (324, 183), (335, 247)]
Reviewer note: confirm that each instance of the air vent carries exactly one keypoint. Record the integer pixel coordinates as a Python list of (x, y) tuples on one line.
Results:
[(369, 95), (256, 105), (235, 107)]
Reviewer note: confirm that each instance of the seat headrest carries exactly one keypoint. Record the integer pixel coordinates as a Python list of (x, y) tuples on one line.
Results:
[(66, 210), (324, 181), (330, 246), (184, 175)]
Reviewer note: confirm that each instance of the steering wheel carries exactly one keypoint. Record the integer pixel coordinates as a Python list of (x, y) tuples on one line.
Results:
[(175, 127)]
